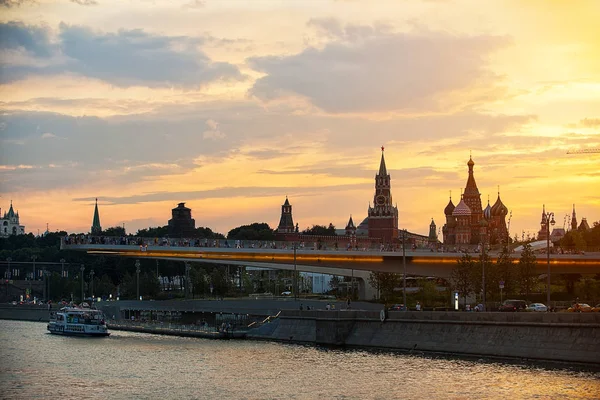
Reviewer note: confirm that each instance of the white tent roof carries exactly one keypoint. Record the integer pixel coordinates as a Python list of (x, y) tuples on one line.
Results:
[(537, 245)]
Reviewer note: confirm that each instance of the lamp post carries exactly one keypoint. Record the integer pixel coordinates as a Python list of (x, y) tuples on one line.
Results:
[(44, 279), (295, 275), (48, 276), (8, 274), (188, 286), (34, 257), (548, 223), (82, 269), (404, 268), (62, 269), (137, 273), (483, 272), (92, 284)]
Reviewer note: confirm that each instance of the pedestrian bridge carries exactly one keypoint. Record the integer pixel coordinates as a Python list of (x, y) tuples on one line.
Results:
[(335, 262)]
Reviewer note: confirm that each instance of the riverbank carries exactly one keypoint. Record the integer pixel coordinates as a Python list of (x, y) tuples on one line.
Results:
[(563, 337)]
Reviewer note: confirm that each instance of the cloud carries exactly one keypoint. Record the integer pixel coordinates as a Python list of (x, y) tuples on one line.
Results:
[(364, 68), (223, 192), (125, 58), (85, 2), (15, 3), (48, 135), (213, 133), (33, 40), (590, 122), (194, 4)]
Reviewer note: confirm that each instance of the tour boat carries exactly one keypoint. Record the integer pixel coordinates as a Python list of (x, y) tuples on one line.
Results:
[(78, 321)]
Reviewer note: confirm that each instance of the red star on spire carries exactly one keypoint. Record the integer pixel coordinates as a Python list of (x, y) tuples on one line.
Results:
[(382, 148)]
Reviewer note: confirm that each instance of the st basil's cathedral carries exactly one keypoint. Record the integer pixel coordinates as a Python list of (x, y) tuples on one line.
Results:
[(468, 224)]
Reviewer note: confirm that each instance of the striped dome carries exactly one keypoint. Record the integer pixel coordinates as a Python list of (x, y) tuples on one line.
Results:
[(499, 209), (461, 209), (487, 213)]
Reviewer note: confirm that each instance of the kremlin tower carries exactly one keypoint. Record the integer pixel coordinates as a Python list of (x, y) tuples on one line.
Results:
[(383, 216)]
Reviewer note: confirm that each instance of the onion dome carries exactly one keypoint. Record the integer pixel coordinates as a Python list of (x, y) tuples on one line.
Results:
[(461, 209), (487, 212), (470, 163), (499, 209), (449, 208)]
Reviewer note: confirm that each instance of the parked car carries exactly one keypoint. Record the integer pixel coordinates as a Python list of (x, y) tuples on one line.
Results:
[(596, 309), (580, 307), (398, 307), (539, 307), (513, 305), (286, 293)]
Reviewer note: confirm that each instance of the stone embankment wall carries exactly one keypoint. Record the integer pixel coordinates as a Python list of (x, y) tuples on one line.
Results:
[(24, 313), (566, 337)]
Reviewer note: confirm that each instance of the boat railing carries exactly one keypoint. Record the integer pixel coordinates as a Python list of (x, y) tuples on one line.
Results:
[(159, 325)]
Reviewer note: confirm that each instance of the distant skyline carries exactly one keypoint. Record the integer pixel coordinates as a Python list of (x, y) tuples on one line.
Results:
[(229, 106)]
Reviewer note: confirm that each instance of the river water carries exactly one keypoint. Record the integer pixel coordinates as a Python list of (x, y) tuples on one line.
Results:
[(34, 364)]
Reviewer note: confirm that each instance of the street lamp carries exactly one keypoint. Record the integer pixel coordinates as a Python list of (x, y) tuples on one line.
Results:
[(34, 257), (404, 268), (483, 271), (548, 223), (62, 269), (92, 284), (82, 269), (137, 273), (295, 275), (188, 286)]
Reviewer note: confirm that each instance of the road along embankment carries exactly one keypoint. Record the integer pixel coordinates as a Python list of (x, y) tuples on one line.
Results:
[(564, 337)]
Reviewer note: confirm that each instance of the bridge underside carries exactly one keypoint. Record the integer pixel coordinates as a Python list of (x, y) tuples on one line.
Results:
[(345, 263)]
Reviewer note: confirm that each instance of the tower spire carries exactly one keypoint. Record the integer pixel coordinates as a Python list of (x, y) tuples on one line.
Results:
[(382, 168), (96, 228)]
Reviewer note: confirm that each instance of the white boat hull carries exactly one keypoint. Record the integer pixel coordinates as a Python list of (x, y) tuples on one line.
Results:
[(77, 329)]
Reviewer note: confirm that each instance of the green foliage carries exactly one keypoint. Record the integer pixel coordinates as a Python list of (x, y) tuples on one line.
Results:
[(254, 231), (385, 283), (506, 270), (462, 276), (114, 231), (158, 232), (320, 230), (526, 273), (584, 240), (163, 231)]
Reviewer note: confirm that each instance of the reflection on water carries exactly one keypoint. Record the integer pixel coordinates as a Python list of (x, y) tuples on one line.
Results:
[(142, 366)]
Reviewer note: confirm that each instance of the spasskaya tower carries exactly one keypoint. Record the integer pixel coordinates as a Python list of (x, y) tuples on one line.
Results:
[(383, 216)]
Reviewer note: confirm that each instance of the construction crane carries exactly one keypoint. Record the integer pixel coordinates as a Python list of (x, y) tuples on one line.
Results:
[(583, 151)]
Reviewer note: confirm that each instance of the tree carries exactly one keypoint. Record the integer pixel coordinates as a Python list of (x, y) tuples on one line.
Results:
[(207, 233), (492, 276), (320, 230), (114, 231), (505, 268), (157, 232), (462, 276), (527, 270), (385, 283), (254, 231)]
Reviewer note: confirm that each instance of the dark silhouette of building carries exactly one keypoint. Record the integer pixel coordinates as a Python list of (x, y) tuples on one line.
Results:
[(286, 222), (181, 224), (467, 223), (96, 228), (383, 216)]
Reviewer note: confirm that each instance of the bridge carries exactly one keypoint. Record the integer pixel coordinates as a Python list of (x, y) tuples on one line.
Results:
[(283, 255)]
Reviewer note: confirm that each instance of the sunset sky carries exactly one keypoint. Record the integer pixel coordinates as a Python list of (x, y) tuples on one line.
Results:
[(231, 105)]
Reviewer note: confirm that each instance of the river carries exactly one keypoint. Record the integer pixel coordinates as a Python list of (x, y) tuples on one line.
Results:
[(34, 364)]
